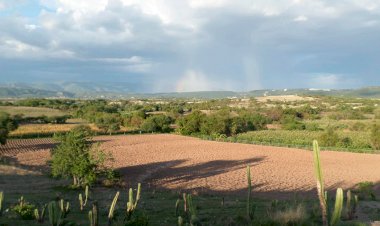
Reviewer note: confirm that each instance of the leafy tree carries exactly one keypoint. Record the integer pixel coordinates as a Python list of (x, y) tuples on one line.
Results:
[(375, 136), (217, 123), (157, 123), (134, 119), (191, 124), (108, 122), (7, 124), (76, 158)]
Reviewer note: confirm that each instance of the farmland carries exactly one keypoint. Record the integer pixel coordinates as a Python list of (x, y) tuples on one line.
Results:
[(31, 111), (167, 165), (201, 148)]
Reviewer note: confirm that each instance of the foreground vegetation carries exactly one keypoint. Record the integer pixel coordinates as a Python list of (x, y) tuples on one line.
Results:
[(98, 205)]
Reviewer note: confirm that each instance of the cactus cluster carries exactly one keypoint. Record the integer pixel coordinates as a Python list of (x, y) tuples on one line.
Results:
[(328, 219), (132, 203), (83, 202), (190, 211), (93, 215), (55, 214), (40, 215)]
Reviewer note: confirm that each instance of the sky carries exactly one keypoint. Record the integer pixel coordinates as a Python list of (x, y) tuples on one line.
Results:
[(192, 45)]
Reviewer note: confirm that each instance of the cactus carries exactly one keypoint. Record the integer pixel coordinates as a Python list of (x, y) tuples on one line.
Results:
[(320, 183), (81, 203), (132, 204), (55, 214), (93, 215), (184, 203), (250, 206), (177, 207), (112, 208), (351, 205), (191, 212), (40, 216), (64, 208), (337, 208), (21, 201), (180, 221), (85, 196), (322, 194), (1, 202)]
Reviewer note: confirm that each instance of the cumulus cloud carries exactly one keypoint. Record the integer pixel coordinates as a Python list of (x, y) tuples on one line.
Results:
[(237, 45)]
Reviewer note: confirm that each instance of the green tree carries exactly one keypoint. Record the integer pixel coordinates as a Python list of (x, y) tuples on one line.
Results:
[(109, 123), (375, 136), (75, 157), (157, 123), (7, 124), (191, 124)]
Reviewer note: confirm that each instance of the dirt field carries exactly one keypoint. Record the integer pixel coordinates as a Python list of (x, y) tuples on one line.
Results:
[(177, 162)]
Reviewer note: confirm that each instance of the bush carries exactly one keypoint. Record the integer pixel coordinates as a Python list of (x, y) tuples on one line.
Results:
[(375, 137), (75, 157), (24, 210), (157, 123), (109, 123), (365, 190), (329, 138), (191, 124), (292, 123), (7, 124)]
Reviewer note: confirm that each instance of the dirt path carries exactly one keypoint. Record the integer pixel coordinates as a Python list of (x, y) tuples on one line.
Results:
[(177, 162)]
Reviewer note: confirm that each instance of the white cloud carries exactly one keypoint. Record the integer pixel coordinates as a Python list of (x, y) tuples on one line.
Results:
[(235, 45), (301, 18)]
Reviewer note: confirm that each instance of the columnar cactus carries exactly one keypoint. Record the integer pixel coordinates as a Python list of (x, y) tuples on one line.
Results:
[(81, 203), (132, 204), (322, 194), (55, 214), (1, 201), (250, 206), (64, 208), (112, 208), (93, 215), (40, 216)]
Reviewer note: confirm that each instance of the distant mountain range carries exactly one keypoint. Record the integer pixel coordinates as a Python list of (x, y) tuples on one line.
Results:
[(118, 91)]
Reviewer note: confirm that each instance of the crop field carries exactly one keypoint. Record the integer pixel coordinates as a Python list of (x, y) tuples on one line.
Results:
[(31, 111), (360, 141), (182, 163)]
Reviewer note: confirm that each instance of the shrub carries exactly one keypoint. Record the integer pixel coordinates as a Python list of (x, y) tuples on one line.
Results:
[(329, 138), (75, 157), (292, 123), (191, 124), (109, 123), (157, 123), (24, 210), (7, 124), (345, 142), (375, 137), (365, 190)]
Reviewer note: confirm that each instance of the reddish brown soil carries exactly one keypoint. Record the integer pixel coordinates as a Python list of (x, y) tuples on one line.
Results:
[(177, 162)]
